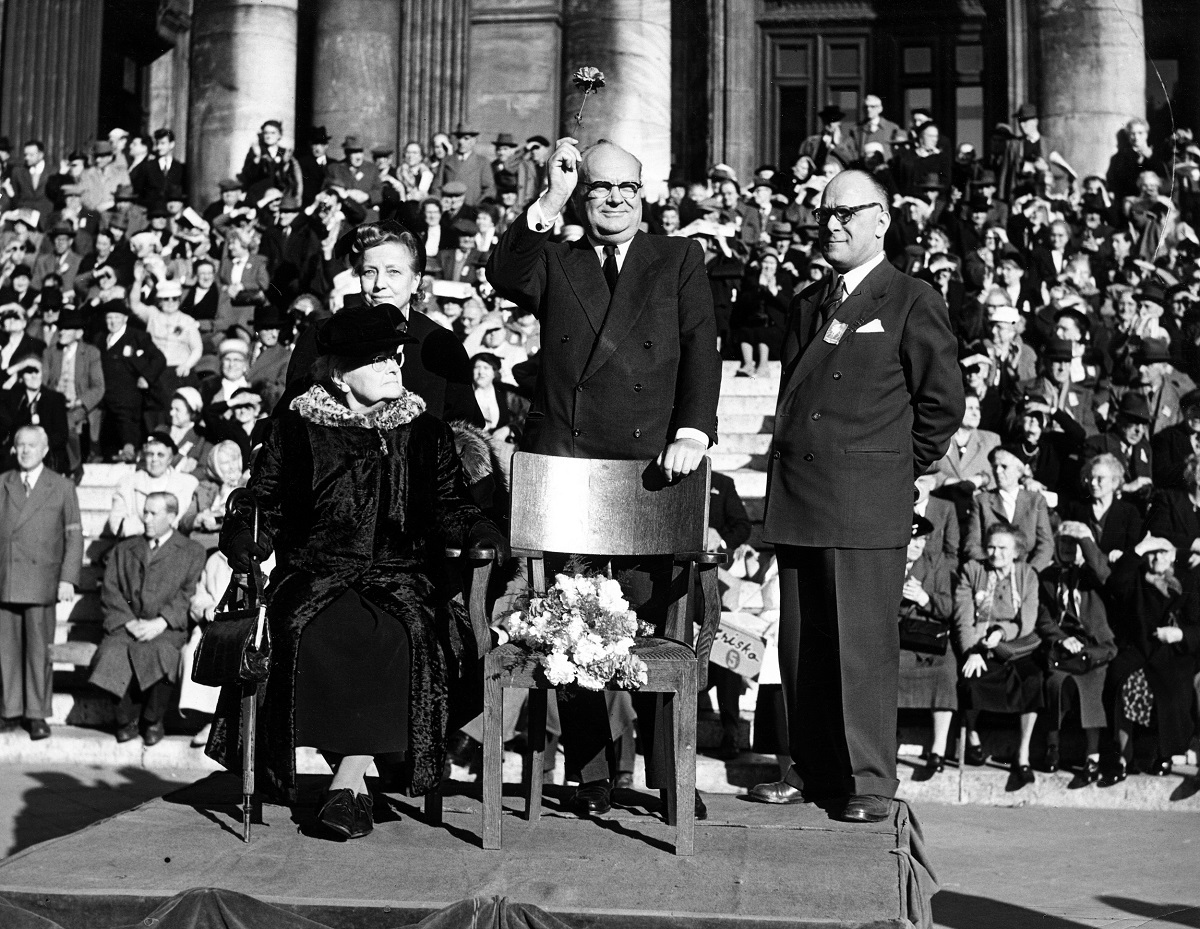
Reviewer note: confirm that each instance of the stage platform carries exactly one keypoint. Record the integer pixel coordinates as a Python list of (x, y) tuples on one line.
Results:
[(754, 865)]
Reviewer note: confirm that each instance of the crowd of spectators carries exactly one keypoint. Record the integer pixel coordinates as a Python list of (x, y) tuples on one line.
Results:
[(137, 328)]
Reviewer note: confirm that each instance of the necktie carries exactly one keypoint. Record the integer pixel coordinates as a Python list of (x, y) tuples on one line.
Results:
[(610, 267), (25, 481), (829, 307)]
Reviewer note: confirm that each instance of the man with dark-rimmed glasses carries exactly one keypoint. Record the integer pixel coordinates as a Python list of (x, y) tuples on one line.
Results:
[(870, 396)]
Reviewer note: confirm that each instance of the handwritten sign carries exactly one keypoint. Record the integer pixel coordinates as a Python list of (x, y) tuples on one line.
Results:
[(737, 648)]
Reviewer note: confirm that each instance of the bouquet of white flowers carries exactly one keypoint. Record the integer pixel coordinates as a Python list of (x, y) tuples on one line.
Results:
[(581, 633)]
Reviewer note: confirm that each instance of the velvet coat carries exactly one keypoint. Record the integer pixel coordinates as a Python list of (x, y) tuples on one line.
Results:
[(348, 506)]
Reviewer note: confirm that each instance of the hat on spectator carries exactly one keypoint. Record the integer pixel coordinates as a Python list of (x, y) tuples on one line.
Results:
[(289, 203), (779, 229), (267, 316), (158, 210), (51, 299), (1003, 314), (72, 190), (124, 192), (118, 131), (1152, 292), (760, 181), (233, 347), (1072, 312), (379, 151), (874, 148), (12, 311), (118, 221), (538, 139), (27, 216), (506, 183), (102, 147), (454, 189), (113, 306), (922, 111), (245, 396), (62, 229), (77, 155), (980, 203), (987, 178), (1058, 350), (1189, 403), (352, 144), (70, 319), (1093, 203), (942, 262), (722, 172), (168, 288), (464, 226), (318, 136), (832, 113), (363, 331), (461, 130), (1026, 111), (161, 437), (1154, 543), (505, 138), (269, 196), (921, 526), (930, 180), (1154, 351), (1134, 407), (975, 361), (191, 398)]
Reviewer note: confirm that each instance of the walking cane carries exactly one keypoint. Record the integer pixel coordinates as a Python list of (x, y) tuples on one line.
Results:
[(250, 703)]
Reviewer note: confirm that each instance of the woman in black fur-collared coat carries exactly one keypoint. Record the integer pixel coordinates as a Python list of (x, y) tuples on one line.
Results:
[(358, 492)]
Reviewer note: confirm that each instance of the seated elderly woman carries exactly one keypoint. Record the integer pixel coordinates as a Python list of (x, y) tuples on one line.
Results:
[(1113, 524), (358, 490), (221, 477), (928, 677), (1072, 620), (1023, 512), (995, 610), (1156, 621)]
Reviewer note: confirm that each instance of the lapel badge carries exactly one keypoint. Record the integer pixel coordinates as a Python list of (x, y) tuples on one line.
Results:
[(833, 335)]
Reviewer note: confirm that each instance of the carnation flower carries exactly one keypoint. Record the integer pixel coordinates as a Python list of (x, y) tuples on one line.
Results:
[(589, 80)]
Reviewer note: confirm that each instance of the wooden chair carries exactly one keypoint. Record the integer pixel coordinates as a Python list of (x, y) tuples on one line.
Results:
[(609, 508)]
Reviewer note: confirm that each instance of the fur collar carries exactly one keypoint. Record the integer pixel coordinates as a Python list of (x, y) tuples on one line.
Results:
[(319, 406)]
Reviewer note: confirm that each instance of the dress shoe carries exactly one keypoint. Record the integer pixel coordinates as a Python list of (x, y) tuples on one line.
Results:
[(1159, 768), (39, 729), (866, 808), (341, 813), (154, 733), (935, 764), (1023, 773), (975, 755), (701, 813), (592, 799), (127, 733), (364, 815), (1052, 762), (776, 792), (1114, 776), (1088, 774), (624, 781)]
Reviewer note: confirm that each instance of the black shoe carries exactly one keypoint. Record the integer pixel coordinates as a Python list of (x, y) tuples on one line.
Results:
[(1160, 768), (935, 764), (975, 755), (1023, 773), (624, 781), (40, 729), (776, 792), (1115, 776), (461, 749), (364, 818), (340, 813), (154, 733), (1052, 762), (701, 810), (1088, 774), (866, 808), (128, 732), (592, 799)]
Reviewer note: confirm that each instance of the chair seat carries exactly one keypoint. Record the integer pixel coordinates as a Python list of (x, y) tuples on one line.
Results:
[(517, 668)]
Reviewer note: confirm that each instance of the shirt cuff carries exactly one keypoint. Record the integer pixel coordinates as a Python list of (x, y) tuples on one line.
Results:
[(538, 220), (689, 433)]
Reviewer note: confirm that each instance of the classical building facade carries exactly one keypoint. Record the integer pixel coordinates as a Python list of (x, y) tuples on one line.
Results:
[(690, 82)]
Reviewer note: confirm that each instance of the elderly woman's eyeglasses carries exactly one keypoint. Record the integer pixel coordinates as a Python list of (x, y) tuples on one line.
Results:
[(602, 190), (380, 361)]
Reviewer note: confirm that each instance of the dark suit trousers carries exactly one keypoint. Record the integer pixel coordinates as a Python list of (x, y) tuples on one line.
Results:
[(839, 658), (26, 673)]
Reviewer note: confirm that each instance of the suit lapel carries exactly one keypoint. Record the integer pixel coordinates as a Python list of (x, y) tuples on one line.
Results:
[(27, 506), (586, 277), (628, 300), (800, 321)]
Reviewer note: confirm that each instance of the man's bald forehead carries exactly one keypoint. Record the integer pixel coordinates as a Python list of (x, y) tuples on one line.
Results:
[(855, 184), (37, 433), (606, 157)]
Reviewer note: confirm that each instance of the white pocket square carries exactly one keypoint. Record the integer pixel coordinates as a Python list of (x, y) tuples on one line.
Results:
[(873, 326)]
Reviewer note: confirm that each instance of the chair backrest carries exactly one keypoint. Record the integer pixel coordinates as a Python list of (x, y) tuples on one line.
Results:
[(597, 506)]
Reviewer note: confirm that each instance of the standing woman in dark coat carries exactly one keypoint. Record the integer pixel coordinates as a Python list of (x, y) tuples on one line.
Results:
[(358, 490), (1156, 619)]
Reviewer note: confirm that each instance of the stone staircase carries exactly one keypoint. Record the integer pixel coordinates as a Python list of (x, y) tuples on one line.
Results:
[(745, 419)]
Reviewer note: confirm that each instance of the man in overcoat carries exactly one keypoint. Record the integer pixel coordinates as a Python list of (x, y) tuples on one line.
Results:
[(41, 551), (870, 396), (629, 363), (148, 585)]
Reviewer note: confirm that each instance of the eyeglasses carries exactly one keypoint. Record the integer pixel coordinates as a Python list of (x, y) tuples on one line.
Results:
[(843, 214), (379, 362), (602, 190)]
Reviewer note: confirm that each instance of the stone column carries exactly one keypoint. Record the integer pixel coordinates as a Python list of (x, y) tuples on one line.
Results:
[(734, 100), (243, 73), (1017, 34), (356, 69), (433, 67), (1093, 76), (630, 41)]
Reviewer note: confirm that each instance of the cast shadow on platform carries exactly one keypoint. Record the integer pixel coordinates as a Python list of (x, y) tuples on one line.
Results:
[(62, 803), (965, 911)]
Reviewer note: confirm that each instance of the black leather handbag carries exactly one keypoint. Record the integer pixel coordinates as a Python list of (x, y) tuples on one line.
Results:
[(927, 636), (235, 648), (1059, 659)]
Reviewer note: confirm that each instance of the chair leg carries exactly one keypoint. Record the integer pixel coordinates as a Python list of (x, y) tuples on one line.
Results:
[(666, 728), (685, 765), (433, 807), (536, 714), (493, 786)]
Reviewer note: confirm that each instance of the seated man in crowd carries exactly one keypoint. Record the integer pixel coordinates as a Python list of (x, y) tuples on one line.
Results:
[(148, 586)]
